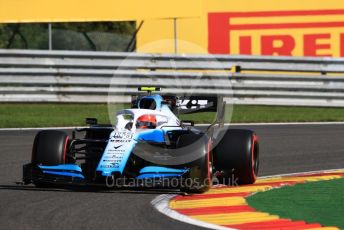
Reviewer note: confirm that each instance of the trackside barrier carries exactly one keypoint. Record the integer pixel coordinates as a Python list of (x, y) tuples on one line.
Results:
[(73, 76)]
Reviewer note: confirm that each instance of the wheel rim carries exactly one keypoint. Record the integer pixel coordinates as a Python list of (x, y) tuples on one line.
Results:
[(65, 150), (255, 157), (210, 164)]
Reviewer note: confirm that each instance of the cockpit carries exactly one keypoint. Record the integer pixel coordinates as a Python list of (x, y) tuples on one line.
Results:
[(134, 119)]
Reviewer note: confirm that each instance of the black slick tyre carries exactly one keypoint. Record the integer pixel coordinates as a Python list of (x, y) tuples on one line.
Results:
[(236, 156), (49, 148)]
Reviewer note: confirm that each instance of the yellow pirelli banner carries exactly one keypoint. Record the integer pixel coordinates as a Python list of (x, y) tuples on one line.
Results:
[(253, 27), (14, 11)]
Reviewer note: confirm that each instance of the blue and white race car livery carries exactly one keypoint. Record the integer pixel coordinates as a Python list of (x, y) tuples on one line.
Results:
[(148, 146)]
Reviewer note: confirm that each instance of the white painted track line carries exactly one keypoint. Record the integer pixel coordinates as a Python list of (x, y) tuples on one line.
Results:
[(229, 124), (160, 203), (39, 128), (303, 173), (281, 123)]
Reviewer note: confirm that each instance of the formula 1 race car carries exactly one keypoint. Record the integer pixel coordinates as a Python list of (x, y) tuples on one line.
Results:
[(148, 146)]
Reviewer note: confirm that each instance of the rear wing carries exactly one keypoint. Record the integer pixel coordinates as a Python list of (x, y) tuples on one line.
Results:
[(186, 104), (197, 104)]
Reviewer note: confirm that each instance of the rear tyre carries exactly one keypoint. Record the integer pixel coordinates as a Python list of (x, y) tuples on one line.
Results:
[(236, 156), (49, 148), (198, 179)]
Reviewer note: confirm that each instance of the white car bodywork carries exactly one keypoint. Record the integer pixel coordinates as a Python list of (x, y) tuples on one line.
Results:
[(164, 117)]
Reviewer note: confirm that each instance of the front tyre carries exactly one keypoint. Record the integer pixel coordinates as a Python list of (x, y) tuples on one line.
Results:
[(236, 156), (49, 148)]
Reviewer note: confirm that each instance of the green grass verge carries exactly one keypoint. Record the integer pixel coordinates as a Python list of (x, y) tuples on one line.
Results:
[(43, 115), (50, 115), (315, 202)]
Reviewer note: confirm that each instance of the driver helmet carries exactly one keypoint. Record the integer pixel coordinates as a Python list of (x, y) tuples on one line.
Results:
[(146, 122)]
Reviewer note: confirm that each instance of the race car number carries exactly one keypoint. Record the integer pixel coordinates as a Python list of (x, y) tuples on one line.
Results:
[(122, 136)]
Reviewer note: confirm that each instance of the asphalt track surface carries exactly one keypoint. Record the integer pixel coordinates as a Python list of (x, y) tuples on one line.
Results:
[(284, 149)]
